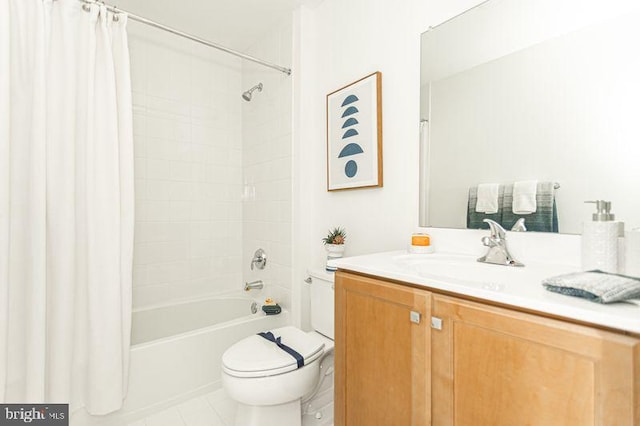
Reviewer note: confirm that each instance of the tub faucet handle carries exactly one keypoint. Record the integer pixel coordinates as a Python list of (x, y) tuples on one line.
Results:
[(259, 259)]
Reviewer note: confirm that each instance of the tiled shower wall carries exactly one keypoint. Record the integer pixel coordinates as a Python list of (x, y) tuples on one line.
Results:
[(188, 168), (267, 156)]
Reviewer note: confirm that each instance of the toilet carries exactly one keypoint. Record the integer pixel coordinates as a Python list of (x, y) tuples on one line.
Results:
[(266, 379)]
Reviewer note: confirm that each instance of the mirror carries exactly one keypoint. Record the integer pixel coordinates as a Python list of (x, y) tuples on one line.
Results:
[(546, 90)]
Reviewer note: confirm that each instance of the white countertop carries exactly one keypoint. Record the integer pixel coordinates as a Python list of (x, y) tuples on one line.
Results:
[(517, 287)]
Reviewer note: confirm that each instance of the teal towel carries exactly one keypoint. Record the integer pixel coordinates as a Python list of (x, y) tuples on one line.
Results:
[(545, 219), (596, 286)]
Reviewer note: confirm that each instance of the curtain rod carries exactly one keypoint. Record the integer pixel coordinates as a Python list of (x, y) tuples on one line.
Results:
[(189, 36)]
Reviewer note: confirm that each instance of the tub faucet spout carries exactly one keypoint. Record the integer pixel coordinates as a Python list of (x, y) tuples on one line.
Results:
[(253, 285)]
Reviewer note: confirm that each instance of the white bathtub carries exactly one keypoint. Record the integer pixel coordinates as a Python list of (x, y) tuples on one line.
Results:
[(177, 350), (157, 323)]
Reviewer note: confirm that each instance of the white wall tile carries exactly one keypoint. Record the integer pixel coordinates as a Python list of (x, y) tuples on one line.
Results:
[(204, 134), (161, 125), (157, 190), (187, 289), (182, 191), (140, 189), (200, 268), (138, 55), (158, 169), (181, 210), (199, 249), (266, 156), (150, 295), (183, 131), (140, 275), (152, 210), (160, 273), (196, 144), (139, 124), (202, 230), (167, 106), (157, 148), (181, 171)]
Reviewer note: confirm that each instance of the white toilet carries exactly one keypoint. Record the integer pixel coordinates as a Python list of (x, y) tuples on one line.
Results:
[(265, 379)]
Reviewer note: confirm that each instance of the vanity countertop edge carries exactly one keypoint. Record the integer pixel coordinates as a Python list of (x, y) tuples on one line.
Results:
[(528, 296)]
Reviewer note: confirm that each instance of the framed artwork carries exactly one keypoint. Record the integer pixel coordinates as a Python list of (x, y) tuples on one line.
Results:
[(354, 135)]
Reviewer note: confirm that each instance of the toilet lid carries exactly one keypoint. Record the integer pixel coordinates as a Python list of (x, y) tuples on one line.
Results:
[(256, 356)]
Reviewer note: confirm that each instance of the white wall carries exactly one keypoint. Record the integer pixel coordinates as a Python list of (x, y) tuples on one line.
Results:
[(501, 27), (337, 42), (267, 147), (188, 149)]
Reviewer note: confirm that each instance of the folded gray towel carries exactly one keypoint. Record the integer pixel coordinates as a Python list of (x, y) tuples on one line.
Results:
[(596, 286)]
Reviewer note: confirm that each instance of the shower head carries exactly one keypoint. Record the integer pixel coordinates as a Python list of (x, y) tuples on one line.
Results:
[(247, 95)]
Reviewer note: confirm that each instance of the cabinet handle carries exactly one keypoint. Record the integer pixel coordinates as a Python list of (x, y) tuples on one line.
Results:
[(414, 317), (436, 323)]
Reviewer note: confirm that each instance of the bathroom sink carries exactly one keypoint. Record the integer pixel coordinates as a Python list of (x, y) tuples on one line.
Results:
[(466, 269), (434, 258)]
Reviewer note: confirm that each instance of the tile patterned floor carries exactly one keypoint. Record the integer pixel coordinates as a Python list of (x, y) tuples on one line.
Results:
[(217, 409), (213, 409)]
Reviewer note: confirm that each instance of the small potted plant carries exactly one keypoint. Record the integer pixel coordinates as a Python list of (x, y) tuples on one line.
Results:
[(334, 244)]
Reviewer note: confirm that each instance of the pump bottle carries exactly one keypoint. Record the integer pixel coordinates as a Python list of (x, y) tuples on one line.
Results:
[(600, 239)]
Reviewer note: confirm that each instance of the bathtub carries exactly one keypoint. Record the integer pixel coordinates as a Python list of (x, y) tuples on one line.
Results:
[(157, 323), (177, 349)]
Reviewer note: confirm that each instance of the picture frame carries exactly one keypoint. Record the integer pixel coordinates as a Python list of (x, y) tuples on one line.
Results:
[(354, 135)]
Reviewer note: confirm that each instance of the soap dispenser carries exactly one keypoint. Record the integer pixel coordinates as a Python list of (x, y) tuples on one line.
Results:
[(600, 239)]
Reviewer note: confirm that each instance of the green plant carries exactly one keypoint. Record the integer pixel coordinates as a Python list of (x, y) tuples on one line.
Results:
[(335, 236)]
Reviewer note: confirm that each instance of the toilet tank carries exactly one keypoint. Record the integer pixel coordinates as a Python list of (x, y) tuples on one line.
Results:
[(322, 302)]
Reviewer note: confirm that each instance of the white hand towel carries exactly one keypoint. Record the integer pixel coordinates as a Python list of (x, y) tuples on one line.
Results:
[(487, 198), (524, 196)]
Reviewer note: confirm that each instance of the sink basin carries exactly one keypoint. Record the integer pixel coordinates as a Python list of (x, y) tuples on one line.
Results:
[(434, 258), (465, 268)]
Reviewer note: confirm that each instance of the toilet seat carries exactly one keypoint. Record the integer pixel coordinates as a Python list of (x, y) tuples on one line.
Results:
[(256, 356)]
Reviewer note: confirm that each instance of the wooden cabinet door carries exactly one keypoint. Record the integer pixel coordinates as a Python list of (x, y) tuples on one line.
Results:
[(493, 366), (381, 356)]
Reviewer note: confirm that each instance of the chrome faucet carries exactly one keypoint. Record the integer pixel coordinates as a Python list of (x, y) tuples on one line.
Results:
[(253, 285), (259, 259), (498, 253)]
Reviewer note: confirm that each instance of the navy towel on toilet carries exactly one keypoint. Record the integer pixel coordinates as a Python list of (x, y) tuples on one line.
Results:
[(277, 340)]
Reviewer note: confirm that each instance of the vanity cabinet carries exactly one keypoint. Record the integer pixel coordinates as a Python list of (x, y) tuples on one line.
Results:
[(470, 363), (495, 366), (382, 353)]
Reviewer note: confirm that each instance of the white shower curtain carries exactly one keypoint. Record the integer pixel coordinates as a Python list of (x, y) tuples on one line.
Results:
[(66, 204)]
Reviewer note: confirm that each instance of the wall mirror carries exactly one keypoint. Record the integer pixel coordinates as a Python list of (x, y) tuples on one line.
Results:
[(546, 90)]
